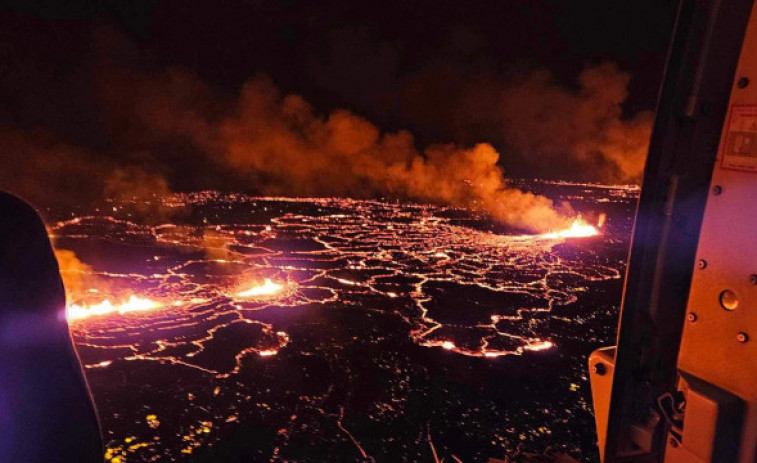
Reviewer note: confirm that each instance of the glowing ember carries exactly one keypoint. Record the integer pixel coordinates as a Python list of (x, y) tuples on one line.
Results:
[(579, 229), (266, 289), (133, 304), (449, 345), (539, 345), (268, 352)]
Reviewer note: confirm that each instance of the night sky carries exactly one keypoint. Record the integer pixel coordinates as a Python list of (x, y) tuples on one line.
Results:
[(438, 69)]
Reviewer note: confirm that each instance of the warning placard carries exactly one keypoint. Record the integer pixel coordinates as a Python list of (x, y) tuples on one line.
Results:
[(740, 151)]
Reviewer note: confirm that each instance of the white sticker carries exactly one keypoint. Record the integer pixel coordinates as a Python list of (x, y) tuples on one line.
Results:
[(740, 151)]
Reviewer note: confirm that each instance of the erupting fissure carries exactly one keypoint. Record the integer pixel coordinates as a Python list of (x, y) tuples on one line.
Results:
[(578, 229), (81, 310), (266, 289), (249, 279), (134, 303)]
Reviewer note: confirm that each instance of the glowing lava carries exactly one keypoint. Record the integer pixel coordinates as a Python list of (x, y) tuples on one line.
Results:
[(448, 345), (133, 304), (268, 288), (579, 229), (268, 352), (539, 345)]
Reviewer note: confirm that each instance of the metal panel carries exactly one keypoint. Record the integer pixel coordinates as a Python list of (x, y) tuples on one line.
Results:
[(688, 124), (719, 343), (601, 370)]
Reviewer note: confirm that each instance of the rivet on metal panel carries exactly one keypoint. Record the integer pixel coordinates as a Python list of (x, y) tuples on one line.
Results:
[(599, 368), (729, 300), (742, 82), (701, 263), (692, 317), (717, 189), (753, 278), (742, 337)]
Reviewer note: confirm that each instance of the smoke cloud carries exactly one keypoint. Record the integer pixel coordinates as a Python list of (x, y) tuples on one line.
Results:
[(80, 280), (47, 171), (160, 130), (141, 191), (279, 145), (545, 121), (76, 274), (52, 173), (545, 126), (281, 139)]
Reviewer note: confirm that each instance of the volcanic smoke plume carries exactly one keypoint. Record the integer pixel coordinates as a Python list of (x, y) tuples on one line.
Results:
[(168, 128), (545, 120), (46, 170), (51, 172), (74, 272), (81, 281), (281, 146), (282, 139)]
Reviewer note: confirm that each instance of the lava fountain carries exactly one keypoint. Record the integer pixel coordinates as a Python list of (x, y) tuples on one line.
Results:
[(268, 288), (81, 310), (578, 229), (135, 303)]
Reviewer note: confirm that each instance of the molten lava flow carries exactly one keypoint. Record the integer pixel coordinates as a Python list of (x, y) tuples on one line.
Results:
[(539, 345), (133, 304), (268, 352), (266, 289), (579, 229)]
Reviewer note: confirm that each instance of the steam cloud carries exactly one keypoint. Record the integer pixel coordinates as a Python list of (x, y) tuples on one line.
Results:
[(264, 141), (283, 147), (76, 274), (586, 125), (47, 171), (572, 130), (51, 172)]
